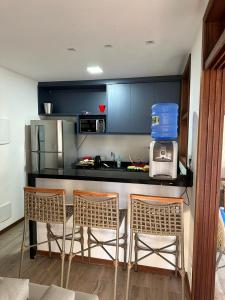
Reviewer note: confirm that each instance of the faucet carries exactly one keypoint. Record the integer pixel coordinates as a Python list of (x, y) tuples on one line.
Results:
[(113, 156)]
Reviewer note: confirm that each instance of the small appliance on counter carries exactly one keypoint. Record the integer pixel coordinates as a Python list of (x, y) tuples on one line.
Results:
[(163, 157), (97, 162), (92, 124)]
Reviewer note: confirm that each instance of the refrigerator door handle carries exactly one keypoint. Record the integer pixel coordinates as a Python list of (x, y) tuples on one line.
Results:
[(60, 135), (37, 138), (60, 144), (60, 160)]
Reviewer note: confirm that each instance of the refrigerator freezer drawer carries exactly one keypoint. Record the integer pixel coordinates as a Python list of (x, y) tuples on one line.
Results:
[(46, 160)]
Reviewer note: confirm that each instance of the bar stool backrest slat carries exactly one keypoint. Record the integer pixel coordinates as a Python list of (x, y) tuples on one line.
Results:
[(96, 210), (156, 215), (45, 205)]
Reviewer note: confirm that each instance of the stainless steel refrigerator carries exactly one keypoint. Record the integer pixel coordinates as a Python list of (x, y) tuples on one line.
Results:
[(53, 144)]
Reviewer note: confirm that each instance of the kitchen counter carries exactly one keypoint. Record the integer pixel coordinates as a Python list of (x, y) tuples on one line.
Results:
[(112, 175)]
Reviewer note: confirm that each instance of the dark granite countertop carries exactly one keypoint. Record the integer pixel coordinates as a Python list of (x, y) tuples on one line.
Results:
[(112, 175)]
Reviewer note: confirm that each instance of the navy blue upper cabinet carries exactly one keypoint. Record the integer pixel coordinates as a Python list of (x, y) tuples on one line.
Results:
[(142, 96), (128, 101), (167, 92), (119, 108), (129, 105)]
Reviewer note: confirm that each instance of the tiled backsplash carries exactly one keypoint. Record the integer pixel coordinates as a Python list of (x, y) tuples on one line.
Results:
[(122, 145)]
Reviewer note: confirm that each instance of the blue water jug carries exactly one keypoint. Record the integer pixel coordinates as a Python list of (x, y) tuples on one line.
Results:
[(164, 121)]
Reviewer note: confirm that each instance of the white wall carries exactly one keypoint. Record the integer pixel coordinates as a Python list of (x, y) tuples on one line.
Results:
[(18, 103), (196, 70), (122, 145)]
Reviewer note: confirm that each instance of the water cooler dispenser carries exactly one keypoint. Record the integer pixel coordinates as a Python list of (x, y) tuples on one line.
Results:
[(163, 154)]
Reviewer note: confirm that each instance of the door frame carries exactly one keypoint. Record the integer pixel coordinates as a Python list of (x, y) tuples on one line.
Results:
[(210, 140)]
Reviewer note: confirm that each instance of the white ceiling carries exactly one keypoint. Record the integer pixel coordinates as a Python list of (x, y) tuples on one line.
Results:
[(35, 35)]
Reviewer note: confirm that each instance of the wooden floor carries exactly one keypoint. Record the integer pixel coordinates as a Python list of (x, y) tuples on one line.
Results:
[(84, 277)]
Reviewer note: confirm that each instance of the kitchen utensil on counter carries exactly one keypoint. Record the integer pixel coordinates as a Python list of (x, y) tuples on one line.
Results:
[(98, 161), (102, 108), (105, 165), (48, 107)]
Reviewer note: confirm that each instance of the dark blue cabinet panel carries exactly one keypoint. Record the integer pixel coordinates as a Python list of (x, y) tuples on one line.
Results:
[(119, 108), (129, 105), (167, 92), (142, 96)]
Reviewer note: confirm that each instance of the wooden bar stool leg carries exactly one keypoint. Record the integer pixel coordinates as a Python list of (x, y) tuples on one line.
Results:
[(89, 244), (218, 259), (182, 269), (48, 227), (70, 254), (177, 256), (116, 262), (22, 247), (125, 243), (136, 252), (63, 255), (129, 265), (82, 242)]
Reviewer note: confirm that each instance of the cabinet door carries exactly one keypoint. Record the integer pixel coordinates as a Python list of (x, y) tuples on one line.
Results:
[(167, 92), (119, 108), (141, 103)]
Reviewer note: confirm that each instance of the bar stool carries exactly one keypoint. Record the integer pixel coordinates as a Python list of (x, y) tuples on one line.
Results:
[(156, 216), (46, 206), (99, 211), (220, 241)]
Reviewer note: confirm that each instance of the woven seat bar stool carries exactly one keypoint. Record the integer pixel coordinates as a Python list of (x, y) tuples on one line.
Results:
[(150, 215), (220, 241), (47, 206), (99, 211)]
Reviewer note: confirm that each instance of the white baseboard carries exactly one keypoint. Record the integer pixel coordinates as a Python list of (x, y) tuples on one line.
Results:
[(5, 211)]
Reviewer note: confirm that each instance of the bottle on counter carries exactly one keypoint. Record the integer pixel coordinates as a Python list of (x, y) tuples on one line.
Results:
[(118, 162)]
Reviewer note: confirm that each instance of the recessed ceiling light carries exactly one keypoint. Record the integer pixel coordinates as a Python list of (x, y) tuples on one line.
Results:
[(94, 70), (108, 46), (71, 49), (149, 42)]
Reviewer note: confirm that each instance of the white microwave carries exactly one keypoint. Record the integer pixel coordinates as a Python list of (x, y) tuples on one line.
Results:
[(92, 124)]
